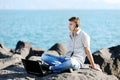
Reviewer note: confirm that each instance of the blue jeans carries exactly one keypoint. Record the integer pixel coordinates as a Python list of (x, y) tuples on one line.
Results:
[(60, 64)]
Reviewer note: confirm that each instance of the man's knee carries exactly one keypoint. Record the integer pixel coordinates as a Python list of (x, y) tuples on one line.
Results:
[(44, 56), (75, 64)]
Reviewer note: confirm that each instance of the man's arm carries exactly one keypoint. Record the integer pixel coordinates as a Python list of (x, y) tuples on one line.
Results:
[(90, 58)]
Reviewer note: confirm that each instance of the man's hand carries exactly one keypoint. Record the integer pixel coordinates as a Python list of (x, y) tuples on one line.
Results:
[(90, 57), (97, 68)]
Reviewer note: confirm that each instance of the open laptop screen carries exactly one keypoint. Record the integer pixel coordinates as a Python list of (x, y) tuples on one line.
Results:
[(33, 67)]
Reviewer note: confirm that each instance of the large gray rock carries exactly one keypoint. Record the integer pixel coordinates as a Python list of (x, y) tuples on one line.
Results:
[(25, 50), (108, 59), (4, 51), (82, 74), (17, 72), (57, 50), (22, 48), (9, 61), (35, 52), (60, 48), (7, 58)]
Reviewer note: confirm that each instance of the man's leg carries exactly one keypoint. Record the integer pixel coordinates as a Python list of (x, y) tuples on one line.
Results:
[(51, 59), (69, 63)]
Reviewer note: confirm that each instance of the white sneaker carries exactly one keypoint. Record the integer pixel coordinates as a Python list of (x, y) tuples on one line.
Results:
[(71, 70), (50, 67)]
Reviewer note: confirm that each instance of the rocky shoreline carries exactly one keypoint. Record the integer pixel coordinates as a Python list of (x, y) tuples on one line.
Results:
[(11, 67)]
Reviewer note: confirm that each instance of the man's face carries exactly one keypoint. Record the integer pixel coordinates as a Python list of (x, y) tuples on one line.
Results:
[(71, 26)]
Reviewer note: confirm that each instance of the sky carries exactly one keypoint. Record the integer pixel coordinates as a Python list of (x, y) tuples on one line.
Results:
[(59, 4)]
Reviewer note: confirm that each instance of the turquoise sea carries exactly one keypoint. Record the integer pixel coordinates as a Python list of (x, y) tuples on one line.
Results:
[(43, 28)]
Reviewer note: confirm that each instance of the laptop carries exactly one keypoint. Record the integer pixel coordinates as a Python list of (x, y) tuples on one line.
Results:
[(33, 67)]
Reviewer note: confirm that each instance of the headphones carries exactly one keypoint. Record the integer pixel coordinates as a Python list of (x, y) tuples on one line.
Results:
[(76, 24)]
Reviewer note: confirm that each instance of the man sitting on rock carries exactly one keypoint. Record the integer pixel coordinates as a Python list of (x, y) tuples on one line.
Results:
[(78, 46)]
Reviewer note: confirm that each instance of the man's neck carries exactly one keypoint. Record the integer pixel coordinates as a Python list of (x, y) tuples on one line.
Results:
[(74, 33)]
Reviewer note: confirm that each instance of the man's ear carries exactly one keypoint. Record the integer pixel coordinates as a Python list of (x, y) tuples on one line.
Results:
[(76, 28)]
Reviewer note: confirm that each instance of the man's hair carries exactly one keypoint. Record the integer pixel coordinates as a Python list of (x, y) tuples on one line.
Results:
[(76, 20)]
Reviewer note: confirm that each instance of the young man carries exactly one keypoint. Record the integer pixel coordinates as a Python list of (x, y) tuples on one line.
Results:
[(77, 48)]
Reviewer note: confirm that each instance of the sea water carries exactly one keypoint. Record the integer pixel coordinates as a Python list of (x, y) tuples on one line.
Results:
[(44, 28)]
